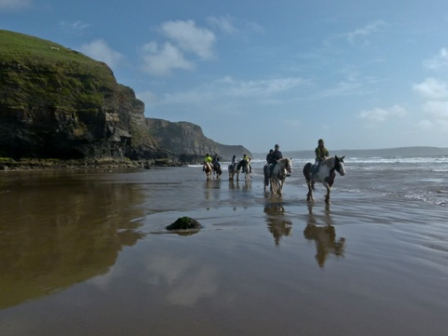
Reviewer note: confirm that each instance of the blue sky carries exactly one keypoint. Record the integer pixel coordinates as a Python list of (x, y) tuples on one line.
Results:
[(360, 74)]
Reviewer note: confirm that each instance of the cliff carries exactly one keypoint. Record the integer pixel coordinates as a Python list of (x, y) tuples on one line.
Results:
[(58, 103), (187, 140)]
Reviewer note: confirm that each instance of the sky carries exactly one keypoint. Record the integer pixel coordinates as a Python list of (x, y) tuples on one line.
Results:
[(360, 74)]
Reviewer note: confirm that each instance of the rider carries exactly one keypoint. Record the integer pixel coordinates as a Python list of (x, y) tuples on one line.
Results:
[(321, 155), (208, 159), (269, 157), (276, 155), (247, 159)]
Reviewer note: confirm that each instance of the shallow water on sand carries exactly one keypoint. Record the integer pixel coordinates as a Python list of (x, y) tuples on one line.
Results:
[(86, 253)]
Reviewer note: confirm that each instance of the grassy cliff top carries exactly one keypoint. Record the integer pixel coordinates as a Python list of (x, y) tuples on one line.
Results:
[(37, 72), (31, 51)]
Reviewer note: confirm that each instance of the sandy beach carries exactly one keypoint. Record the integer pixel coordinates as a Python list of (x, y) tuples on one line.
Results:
[(87, 253)]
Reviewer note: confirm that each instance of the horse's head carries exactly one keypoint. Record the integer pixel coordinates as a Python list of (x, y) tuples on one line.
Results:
[(288, 165), (339, 165)]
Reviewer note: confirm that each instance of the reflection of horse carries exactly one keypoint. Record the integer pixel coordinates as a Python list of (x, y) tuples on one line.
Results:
[(277, 224), (325, 175), (276, 173), (324, 236)]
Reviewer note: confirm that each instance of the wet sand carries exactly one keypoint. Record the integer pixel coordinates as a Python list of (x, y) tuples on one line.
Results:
[(86, 253)]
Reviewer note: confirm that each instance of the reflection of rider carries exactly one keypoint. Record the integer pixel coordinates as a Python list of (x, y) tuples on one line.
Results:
[(321, 155), (207, 159), (324, 237), (278, 225)]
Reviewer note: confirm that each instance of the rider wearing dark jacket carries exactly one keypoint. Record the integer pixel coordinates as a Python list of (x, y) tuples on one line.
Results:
[(277, 155), (269, 157)]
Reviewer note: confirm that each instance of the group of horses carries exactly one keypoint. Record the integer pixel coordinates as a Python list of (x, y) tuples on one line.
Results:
[(275, 173)]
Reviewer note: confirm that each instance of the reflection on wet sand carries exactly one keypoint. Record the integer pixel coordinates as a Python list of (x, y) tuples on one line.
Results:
[(246, 185), (61, 231), (323, 235), (278, 225)]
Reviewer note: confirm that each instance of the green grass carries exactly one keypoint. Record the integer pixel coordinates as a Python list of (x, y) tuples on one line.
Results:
[(39, 72), (19, 47)]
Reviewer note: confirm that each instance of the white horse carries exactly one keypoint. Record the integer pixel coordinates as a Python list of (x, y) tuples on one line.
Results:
[(325, 175), (276, 173), (234, 168)]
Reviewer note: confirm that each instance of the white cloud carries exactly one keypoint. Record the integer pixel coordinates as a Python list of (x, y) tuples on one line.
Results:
[(425, 124), (76, 26), (365, 31), (229, 25), (227, 89), (437, 111), (224, 24), (381, 115), (100, 51), (432, 88), (260, 88), (160, 61), (438, 61), (15, 4), (148, 97), (344, 88), (190, 38)]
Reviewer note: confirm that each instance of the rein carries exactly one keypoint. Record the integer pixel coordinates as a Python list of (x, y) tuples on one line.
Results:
[(337, 166)]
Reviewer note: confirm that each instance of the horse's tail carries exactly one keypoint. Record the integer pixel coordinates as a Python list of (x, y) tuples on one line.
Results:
[(307, 171)]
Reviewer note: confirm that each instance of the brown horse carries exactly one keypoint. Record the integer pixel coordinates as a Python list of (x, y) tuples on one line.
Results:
[(208, 169)]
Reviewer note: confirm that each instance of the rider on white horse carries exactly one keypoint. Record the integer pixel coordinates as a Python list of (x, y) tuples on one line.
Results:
[(275, 156), (321, 155)]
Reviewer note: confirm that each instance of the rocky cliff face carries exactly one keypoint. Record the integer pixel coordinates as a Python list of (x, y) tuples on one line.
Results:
[(58, 103), (188, 140)]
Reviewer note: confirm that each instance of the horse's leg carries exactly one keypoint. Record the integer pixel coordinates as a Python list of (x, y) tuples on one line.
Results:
[(280, 189), (309, 196), (327, 196)]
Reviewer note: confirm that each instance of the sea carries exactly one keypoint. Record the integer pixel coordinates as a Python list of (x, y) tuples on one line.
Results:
[(87, 252)]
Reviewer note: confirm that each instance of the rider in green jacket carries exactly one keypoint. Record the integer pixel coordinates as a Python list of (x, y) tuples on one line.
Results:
[(321, 155)]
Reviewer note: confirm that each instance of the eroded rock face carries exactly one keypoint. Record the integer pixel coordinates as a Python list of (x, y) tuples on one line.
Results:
[(55, 102), (187, 139)]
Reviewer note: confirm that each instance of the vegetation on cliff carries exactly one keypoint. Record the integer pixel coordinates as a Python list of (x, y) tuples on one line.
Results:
[(58, 103), (36, 72)]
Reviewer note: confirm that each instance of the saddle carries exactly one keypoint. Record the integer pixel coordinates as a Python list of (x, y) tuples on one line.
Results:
[(270, 170)]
